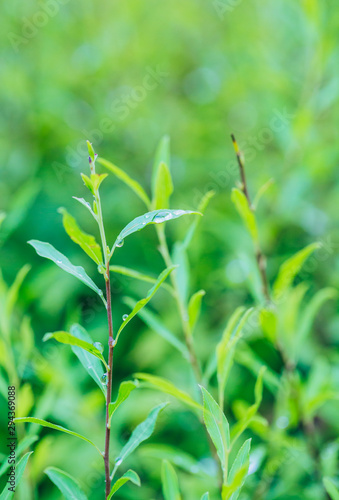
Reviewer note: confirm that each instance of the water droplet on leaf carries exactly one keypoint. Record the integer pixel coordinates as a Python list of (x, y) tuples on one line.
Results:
[(120, 243), (99, 346), (125, 316), (104, 379)]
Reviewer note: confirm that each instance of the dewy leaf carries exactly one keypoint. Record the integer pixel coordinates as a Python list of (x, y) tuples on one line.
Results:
[(217, 427), (331, 488), (49, 252), (154, 322), (142, 432), (67, 338), (132, 273), (19, 472), (86, 241), (167, 387), (162, 155), (68, 486), (44, 423), (245, 212), (130, 475), (194, 307), (120, 174), (91, 363), (290, 268), (125, 390), (170, 483), (163, 187), (153, 217), (141, 303)]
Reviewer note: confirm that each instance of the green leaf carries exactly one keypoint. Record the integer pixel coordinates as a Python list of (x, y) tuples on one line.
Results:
[(132, 273), (176, 456), (331, 488), (170, 483), (86, 241), (90, 151), (154, 322), (142, 432), (290, 268), (226, 348), (44, 423), (49, 252), (261, 192), (68, 486), (130, 475), (143, 302), (131, 183), (23, 445), (182, 274), (162, 155), (167, 387), (125, 390), (11, 298), (88, 182), (201, 209), (194, 308), (206, 496), (163, 187), (153, 217), (67, 338), (86, 204), (239, 468), (269, 323), (217, 427), (90, 362), (19, 472), (245, 212)]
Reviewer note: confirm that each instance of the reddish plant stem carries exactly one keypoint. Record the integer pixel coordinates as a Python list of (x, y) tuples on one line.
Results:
[(109, 381)]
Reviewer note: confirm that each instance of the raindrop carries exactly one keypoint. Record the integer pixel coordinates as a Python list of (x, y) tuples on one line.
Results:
[(119, 243), (125, 316), (58, 262), (147, 216), (162, 216), (104, 379), (99, 346)]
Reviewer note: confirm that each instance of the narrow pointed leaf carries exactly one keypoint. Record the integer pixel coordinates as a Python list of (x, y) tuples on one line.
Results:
[(182, 274), (49, 252), (194, 308), (242, 459), (91, 151), (201, 209), (290, 268), (143, 302), (217, 427), (23, 445), (132, 273), (142, 432), (67, 338), (206, 496), (125, 390), (68, 486), (331, 488), (86, 204), (170, 483), (131, 183), (19, 472), (261, 192), (86, 241), (154, 322), (90, 362), (130, 475), (167, 387), (163, 187), (245, 212), (162, 155), (44, 423), (153, 217)]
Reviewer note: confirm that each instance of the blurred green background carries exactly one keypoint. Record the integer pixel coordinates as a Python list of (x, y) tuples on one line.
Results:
[(122, 74)]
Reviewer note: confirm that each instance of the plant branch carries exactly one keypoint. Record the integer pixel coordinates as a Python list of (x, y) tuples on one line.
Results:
[(259, 255)]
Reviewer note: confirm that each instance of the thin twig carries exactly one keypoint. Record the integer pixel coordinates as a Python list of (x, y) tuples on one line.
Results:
[(259, 255)]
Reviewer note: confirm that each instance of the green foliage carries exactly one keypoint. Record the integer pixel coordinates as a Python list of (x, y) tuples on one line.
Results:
[(19, 471), (170, 483), (68, 486), (130, 475)]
